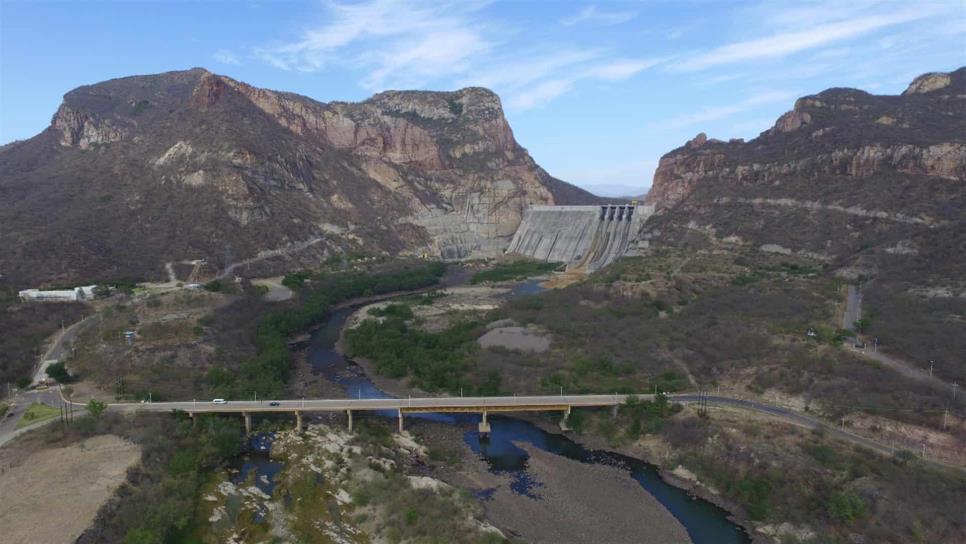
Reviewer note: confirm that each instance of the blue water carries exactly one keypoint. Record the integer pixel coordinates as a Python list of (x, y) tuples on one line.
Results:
[(255, 465), (704, 522)]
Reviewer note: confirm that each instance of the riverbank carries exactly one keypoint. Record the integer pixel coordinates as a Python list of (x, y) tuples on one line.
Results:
[(529, 515), (566, 501)]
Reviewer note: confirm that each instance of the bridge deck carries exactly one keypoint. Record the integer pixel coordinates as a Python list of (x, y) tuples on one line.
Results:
[(440, 404)]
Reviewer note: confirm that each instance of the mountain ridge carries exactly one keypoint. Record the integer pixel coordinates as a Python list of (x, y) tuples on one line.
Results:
[(134, 172)]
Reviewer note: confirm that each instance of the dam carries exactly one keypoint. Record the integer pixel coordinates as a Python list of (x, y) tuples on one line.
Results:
[(583, 237)]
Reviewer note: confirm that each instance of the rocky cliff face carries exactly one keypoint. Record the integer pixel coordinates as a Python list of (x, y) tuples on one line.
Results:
[(844, 170), (139, 171)]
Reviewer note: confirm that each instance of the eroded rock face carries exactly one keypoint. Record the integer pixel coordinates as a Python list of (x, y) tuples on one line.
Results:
[(194, 165), (844, 168), (928, 83), (81, 129), (885, 135)]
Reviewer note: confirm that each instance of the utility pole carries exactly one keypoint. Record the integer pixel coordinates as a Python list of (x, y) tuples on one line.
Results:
[(955, 386), (945, 413), (930, 368)]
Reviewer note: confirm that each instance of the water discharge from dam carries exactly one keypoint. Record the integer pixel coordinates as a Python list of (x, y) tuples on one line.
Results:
[(583, 237)]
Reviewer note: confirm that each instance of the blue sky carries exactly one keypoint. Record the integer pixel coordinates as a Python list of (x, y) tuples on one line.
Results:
[(596, 91)]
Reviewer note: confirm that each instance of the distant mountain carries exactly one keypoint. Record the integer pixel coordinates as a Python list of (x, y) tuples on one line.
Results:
[(872, 187), (842, 172), (139, 171)]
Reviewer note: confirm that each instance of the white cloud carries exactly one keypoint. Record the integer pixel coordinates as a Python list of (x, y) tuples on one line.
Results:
[(523, 97), (225, 56), (539, 94), (591, 14), (418, 43), (798, 40), (394, 40), (720, 112)]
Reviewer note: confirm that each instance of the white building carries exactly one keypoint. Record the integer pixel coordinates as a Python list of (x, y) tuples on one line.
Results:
[(58, 295)]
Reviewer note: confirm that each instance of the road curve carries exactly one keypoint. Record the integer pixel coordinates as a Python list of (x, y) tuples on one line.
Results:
[(789, 416)]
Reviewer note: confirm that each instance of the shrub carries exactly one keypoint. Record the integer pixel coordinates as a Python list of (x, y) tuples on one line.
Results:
[(845, 507), (96, 407), (514, 271), (59, 372), (296, 280), (215, 286), (754, 494)]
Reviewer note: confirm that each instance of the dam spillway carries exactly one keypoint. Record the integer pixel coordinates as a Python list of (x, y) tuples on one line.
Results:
[(587, 237)]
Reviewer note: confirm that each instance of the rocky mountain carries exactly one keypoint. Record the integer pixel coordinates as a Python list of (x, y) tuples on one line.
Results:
[(137, 172), (843, 171), (870, 188)]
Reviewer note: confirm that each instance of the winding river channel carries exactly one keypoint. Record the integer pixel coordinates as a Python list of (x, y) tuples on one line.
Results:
[(705, 522)]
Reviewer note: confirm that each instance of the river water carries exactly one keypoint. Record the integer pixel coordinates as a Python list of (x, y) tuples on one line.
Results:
[(704, 522)]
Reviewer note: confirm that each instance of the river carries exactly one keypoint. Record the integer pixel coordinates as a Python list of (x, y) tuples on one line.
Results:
[(705, 522)]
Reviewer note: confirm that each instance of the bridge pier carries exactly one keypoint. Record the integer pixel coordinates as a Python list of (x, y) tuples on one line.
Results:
[(400, 421), (484, 426), (564, 426), (349, 414), (298, 421), (248, 422)]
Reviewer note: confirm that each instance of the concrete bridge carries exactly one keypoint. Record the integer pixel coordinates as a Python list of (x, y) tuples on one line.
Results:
[(476, 405)]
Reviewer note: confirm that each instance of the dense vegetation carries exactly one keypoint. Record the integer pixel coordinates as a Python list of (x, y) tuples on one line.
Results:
[(266, 374), (435, 361), (515, 270), (819, 483), (677, 319)]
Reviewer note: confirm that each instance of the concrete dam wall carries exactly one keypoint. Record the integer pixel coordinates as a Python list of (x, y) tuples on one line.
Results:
[(588, 237)]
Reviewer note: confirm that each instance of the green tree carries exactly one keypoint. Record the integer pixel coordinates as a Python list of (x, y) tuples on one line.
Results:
[(845, 507), (23, 383), (96, 407), (59, 372)]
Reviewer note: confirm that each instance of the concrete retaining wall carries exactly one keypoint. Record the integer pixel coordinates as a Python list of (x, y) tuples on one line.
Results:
[(588, 237)]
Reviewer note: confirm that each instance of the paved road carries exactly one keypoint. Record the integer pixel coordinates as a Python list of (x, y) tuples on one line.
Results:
[(440, 404), (790, 416), (853, 308), (58, 348), (496, 404), (853, 312), (450, 404), (19, 404)]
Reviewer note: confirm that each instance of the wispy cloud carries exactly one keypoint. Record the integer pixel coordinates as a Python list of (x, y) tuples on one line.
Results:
[(798, 40), (394, 40), (530, 92), (715, 113), (591, 14), (415, 43), (225, 56)]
